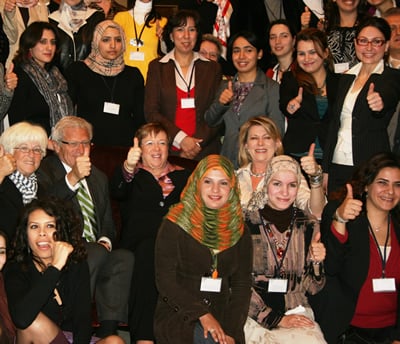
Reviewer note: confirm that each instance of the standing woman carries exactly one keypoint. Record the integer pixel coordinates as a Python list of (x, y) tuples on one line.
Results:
[(282, 40), (306, 94), (143, 27), (108, 94), (365, 102), (41, 95), (362, 235), (180, 87), (341, 20), (8, 82), (203, 261)]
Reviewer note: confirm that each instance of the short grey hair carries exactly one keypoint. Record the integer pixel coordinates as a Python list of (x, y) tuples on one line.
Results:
[(208, 37), (23, 132), (57, 133)]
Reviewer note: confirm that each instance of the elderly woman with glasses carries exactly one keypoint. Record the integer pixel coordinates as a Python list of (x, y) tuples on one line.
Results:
[(366, 98), (23, 147)]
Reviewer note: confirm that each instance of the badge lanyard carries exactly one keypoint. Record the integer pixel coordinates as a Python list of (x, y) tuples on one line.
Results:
[(183, 79), (268, 233), (112, 88), (138, 42), (383, 257)]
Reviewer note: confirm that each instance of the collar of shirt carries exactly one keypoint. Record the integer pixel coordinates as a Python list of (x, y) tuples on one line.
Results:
[(356, 69)]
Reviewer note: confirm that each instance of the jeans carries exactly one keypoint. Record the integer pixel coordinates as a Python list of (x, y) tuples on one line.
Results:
[(198, 337)]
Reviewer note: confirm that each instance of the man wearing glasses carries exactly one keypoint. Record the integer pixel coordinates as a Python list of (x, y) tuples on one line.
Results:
[(69, 175)]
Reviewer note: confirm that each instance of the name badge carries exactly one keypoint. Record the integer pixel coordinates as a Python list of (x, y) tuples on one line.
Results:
[(187, 103), (211, 284), (277, 285), (136, 56), (380, 285), (111, 108), (341, 67)]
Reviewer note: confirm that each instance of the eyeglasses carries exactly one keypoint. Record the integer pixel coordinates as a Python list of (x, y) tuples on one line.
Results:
[(27, 150), (208, 55), (375, 42), (76, 144)]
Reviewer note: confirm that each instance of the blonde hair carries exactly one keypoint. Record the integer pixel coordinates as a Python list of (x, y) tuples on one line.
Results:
[(269, 126), (21, 133)]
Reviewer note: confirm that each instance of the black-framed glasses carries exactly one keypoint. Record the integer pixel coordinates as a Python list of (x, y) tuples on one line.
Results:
[(375, 42), (76, 144), (27, 150)]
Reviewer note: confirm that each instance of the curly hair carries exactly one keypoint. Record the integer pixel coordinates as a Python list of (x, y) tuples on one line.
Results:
[(69, 228)]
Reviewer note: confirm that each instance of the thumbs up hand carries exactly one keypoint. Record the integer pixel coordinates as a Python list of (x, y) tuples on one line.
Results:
[(227, 94), (350, 207), (309, 164), (10, 78), (82, 166), (374, 99), (295, 103), (317, 249), (305, 18), (133, 157), (7, 164)]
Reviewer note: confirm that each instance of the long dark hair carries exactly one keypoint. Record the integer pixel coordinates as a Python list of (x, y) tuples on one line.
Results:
[(152, 15), (68, 228), (320, 41), (30, 37)]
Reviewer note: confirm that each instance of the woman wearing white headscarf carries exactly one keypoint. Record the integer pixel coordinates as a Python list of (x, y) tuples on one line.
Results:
[(107, 93)]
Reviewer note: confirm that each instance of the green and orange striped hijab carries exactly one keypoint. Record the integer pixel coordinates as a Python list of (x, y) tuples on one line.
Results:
[(217, 229)]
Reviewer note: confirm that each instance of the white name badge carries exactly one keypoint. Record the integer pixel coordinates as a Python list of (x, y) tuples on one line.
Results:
[(111, 108), (380, 285), (136, 56), (187, 103), (211, 284), (277, 285), (341, 67)]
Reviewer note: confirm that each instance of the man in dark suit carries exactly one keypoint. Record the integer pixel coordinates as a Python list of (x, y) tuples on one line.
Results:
[(62, 175)]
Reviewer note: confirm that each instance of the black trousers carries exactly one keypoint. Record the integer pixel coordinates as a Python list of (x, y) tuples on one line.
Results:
[(356, 335)]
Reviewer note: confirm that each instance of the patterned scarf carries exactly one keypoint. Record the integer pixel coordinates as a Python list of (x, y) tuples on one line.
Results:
[(240, 91), (26, 186), (98, 63), (54, 89), (217, 229)]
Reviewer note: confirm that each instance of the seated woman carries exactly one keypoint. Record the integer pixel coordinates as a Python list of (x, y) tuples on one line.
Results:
[(47, 279), (362, 235), (203, 261), (41, 94), (146, 186), (24, 148), (259, 142), (287, 263), (108, 94), (7, 328)]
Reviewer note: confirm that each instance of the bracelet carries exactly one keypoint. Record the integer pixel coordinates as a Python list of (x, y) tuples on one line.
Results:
[(317, 179), (128, 169), (337, 218)]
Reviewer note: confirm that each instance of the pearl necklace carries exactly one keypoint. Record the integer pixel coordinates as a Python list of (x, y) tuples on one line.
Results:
[(257, 175)]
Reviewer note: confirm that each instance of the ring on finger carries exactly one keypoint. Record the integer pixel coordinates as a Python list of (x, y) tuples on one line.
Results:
[(211, 330)]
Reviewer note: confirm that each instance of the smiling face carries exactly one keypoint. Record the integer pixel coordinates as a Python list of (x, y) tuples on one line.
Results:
[(44, 50), (369, 54), (185, 37), (281, 40), (28, 162), (260, 145), (110, 44), (384, 191), (155, 150), (348, 6), (310, 57), (214, 188), (245, 56), (282, 190), (40, 231), (209, 50)]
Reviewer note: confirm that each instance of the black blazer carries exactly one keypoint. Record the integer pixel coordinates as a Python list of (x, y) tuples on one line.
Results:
[(369, 128), (51, 177), (346, 269), (305, 125)]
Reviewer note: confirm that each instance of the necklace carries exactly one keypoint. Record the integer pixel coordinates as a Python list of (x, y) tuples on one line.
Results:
[(257, 175), (320, 89)]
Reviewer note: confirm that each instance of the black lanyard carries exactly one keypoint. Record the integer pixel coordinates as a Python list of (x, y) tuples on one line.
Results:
[(383, 257), (112, 88), (138, 40), (268, 232), (183, 79)]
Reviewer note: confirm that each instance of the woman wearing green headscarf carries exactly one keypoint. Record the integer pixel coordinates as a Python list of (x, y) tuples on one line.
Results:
[(203, 259)]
